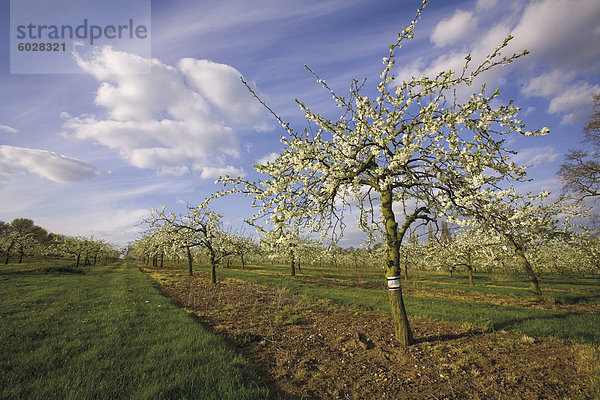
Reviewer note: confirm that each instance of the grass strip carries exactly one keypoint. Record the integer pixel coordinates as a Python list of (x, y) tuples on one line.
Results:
[(108, 333), (566, 326), (577, 288)]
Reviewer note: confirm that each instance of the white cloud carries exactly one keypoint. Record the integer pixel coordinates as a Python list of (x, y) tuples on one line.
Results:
[(565, 35), (571, 98), (220, 84), (454, 60), (548, 84), (268, 158), (453, 29), (564, 32), (561, 36), (188, 20), (577, 95), (171, 120), (215, 172), (46, 164), (535, 156), (9, 129)]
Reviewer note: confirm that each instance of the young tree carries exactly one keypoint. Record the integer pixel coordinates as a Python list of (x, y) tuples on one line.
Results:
[(525, 222), (468, 248), (284, 241), (242, 246), (8, 239), (21, 235), (201, 227), (415, 150), (589, 247), (71, 246)]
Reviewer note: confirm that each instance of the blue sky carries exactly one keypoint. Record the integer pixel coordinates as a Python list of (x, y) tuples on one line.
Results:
[(91, 153)]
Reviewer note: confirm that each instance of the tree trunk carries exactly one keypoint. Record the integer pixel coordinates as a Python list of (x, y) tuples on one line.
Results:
[(8, 253), (213, 272), (78, 258), (405, 269), (470, 272), (535, 287), (293, 264), (190, 260), (399, 317), (243, 262), (162, 259), (21, 254)]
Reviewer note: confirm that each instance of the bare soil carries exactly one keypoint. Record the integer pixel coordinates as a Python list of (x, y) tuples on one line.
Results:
[(313, 349)]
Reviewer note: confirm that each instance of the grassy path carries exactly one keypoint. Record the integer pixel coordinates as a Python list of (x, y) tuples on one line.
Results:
[(107, 333)]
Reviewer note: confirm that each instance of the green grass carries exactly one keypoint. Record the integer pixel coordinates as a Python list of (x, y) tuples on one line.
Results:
[(107, 333), (566, 326), (577, 288)]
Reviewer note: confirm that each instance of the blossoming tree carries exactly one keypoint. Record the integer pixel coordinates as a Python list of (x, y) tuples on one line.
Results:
[(200, 227), (415, 150), (525, 222)]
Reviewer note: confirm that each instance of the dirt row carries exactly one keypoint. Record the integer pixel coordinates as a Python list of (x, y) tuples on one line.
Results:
[(309, 349)]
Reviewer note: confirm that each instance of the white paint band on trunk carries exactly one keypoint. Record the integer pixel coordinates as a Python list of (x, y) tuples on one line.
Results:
[(393, 282)]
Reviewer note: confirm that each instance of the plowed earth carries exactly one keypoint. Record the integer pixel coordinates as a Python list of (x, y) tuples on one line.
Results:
[(313, 349)]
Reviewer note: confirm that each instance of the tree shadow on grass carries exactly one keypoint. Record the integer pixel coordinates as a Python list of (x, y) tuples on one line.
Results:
[(541, 326), (43, 271), (577, 298), (566, 326), (446, 337)]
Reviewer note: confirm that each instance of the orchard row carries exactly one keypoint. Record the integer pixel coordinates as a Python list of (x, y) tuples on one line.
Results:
[(22, 238)]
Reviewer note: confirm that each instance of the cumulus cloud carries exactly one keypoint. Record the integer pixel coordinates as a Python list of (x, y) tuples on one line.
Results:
[(561, 36), (547, 84), (9, 129), (451, 30), (569, 97), (176, 119), (454, 59), (563, 32), (46, 164), (220, 85)]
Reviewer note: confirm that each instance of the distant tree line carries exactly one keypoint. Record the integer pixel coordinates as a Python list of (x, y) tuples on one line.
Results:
[(23, 238)]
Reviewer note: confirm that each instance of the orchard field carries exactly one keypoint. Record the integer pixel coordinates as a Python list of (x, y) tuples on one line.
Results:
[(571, 310), (108, 331), (325, 333), (470, 280)]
